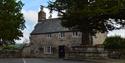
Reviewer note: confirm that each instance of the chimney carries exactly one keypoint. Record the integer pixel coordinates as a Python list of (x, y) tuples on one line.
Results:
[(41, 15)]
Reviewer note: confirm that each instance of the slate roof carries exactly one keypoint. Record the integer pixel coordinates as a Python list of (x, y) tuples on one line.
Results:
[(49, 26)]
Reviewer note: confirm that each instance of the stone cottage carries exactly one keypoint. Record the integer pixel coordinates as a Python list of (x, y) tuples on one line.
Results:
[(51, 39)]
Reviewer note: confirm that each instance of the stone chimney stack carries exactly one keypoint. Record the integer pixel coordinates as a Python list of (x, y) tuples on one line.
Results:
[(41, 15)]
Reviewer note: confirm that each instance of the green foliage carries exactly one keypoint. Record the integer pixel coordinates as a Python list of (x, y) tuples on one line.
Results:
[(92, 16), (9, 47), (12, 47), (114, 43), (11, 21)]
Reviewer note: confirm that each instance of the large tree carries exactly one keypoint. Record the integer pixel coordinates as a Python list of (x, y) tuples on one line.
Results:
[(90, 16), (11, 21)]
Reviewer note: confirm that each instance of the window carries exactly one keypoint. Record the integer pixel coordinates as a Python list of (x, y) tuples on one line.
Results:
[(75, 34), (61, 34), (47, 50), (49, 35)]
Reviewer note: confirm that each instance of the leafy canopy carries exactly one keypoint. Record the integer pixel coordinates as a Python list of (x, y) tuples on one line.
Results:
[(11, 21), (90, 15)]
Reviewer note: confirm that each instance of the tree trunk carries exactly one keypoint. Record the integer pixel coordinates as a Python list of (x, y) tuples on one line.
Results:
[(86, 39)]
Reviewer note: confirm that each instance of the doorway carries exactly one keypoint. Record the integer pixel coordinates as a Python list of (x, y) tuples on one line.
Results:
[(62, 51)]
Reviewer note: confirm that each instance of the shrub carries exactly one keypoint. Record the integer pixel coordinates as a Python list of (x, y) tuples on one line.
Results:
[(115, 42)]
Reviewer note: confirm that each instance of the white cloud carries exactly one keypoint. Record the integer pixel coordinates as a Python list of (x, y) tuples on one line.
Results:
[(55, 14), (30, 15), (120, 32), (31, 18), (47, 11), (26, 35)]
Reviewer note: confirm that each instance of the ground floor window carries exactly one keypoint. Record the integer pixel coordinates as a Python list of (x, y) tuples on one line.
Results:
[(47, 50)]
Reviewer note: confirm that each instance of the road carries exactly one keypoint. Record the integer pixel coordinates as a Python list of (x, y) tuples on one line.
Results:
[(38, 60)]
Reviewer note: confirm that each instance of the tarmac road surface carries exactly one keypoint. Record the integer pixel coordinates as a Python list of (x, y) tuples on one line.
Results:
[(38, 60)]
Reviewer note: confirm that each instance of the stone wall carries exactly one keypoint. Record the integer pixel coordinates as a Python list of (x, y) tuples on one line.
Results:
[(39, 42), (10, 54), (99, 38), (89, 52), (55, 40), (26, 52)]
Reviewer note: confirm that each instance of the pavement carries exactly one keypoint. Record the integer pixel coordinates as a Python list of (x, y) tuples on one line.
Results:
[(50, 60)]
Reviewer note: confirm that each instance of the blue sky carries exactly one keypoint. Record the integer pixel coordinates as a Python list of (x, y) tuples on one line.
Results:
[(34, 4), (30, 11)]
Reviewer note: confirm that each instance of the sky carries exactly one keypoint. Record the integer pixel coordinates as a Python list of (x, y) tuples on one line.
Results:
[(30, 11)]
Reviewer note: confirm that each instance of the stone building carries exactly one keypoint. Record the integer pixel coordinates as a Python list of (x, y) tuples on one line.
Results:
[(51, 39)]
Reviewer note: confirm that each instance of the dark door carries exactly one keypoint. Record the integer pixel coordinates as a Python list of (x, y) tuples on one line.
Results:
[(61, 51)]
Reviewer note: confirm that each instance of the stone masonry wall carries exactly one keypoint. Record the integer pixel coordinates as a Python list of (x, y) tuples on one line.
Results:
[(38, 42)]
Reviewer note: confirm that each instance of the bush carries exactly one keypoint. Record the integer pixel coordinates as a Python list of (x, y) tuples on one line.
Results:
[(115, 42)]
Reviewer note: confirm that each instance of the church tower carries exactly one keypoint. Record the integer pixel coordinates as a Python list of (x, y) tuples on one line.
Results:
[(41, 15)]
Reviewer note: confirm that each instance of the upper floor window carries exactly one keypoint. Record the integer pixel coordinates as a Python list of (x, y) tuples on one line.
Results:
[(49, 35), (61, 34), (75, 34)]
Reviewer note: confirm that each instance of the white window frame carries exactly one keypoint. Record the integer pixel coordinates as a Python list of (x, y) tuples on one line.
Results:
[(49, 35), (75, 34), (47, 49), (61, 34)]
